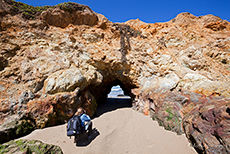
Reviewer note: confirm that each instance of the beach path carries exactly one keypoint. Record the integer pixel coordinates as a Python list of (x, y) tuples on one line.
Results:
[(118, 129)]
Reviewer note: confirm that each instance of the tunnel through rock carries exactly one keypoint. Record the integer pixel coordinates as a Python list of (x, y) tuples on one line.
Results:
[(105, 103)]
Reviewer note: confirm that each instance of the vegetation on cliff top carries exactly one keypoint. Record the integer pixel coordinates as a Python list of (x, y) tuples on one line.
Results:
[(30, 12)]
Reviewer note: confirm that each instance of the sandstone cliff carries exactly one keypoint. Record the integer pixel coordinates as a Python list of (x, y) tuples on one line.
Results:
[(54, 59)]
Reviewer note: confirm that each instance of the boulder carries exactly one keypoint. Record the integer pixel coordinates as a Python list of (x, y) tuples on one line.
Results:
[(207, 126), (70, 13), (62, 81), (29, 146)]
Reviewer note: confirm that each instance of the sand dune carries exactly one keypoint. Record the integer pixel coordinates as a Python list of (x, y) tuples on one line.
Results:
[(118, 129)]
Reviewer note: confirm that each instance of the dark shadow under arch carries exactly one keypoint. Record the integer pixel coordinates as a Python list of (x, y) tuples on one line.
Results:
[(106, 104), (113, 104)]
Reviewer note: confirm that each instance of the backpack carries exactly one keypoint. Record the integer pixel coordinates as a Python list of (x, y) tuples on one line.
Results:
[(74, 126)]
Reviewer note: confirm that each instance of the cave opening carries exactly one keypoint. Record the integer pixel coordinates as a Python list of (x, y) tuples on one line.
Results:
[(116, 95)]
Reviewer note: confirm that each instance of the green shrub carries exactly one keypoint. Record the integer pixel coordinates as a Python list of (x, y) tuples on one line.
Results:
[(3, 149)]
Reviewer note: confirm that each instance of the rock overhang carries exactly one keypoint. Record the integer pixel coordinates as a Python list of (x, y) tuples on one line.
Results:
[(172, 71)]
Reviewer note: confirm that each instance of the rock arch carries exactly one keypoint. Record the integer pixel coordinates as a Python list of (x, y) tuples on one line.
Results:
[(106, 88), (177, 72)]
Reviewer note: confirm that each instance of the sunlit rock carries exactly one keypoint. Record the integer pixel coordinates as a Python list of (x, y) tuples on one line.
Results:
[(63, 57)]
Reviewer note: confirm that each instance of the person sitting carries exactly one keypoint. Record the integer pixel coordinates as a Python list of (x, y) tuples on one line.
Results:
[(86, 122)]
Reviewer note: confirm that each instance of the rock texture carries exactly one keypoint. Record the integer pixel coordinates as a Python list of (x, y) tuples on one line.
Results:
[(32, 146), (70, 13), (177, 71)]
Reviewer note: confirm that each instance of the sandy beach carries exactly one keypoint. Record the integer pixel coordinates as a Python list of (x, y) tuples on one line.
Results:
[(118, 129)]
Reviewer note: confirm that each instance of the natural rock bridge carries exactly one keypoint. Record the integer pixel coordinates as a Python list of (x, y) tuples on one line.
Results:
[(177, 72)]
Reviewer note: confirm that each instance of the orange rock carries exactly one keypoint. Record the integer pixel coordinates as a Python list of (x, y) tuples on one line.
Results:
[(67, 60)]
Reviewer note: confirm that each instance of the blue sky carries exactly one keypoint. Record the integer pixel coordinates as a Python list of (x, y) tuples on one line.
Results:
[(149, 11)]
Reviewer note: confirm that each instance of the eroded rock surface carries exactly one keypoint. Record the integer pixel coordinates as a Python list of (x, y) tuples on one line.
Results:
[(177, 71), (32, 146)]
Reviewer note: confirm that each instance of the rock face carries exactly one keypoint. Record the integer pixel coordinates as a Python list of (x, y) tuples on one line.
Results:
[(70, 13), (177, 72), (207, 126), (32, 146)]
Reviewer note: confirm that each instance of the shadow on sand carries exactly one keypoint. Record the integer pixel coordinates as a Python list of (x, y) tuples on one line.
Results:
[(110, 105), (82, 141), (113, 104)]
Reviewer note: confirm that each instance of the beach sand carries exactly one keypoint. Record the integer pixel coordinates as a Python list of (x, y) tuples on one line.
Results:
[(118, 129)]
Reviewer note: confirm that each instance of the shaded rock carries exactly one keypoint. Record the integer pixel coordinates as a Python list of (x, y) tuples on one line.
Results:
[(102, 21), (163, 106), (29, 146), (207, 126), (54, 109), (214, 23), (18, 119), (91, 105), (39, 24), (15, 127), (71, 13), (3, 63)]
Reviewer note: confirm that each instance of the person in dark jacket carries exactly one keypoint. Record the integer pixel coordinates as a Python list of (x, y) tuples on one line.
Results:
[(86, 122)]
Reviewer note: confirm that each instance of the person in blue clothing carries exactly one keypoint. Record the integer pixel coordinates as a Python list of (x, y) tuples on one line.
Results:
[(86, 122)]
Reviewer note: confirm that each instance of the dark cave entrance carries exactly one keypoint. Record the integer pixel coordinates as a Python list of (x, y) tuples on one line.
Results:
[(116, 95)]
